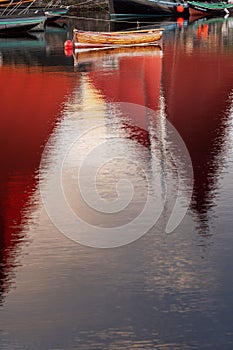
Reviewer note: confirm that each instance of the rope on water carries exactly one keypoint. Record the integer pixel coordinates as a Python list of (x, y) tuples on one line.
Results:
[(107, 20)]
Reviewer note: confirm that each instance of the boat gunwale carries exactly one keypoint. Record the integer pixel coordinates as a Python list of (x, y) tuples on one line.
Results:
[(117, 38), (210, 6)]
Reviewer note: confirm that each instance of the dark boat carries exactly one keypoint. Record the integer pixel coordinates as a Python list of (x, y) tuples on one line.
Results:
[(144, 8), (15, 7), (53, 13), (20, 23), (197, 8)]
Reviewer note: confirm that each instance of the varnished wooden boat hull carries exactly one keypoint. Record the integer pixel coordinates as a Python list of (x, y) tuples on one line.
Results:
[(100, 39), (90, 58)]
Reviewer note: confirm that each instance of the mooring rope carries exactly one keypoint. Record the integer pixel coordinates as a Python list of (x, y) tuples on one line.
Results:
[(108, 20)]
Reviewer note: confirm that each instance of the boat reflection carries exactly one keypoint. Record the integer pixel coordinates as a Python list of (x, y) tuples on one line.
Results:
[(36, 49), (125, 68), (113, 73)]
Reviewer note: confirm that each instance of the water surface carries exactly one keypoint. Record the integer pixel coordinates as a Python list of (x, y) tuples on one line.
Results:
[(164, 290)]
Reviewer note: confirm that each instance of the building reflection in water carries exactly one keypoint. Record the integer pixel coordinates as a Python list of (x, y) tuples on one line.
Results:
[(31, 103), (197, 78), (194, 93)]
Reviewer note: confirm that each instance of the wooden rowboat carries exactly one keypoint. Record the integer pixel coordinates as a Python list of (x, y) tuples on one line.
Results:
[(109, 39)]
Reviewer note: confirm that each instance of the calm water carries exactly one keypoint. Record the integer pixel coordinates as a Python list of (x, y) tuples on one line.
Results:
[(75, 133)]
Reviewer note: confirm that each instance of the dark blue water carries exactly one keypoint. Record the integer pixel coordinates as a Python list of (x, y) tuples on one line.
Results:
[(116, 191)]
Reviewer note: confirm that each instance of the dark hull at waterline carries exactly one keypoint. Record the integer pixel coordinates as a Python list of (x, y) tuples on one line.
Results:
[(197, 8), (52, 13), (16, 24), (141, 8)]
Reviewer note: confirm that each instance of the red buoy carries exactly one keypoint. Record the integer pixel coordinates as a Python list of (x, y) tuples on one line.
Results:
[(180, 21), (180, 8), (68, 52), (68, 44)]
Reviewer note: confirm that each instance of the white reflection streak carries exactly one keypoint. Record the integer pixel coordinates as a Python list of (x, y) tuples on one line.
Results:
[(87, 133)]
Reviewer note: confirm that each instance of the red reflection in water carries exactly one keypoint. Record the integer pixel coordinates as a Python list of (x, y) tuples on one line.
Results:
[(203, 31), (197, 85), (197, 81), (31, 103), (136, 79)]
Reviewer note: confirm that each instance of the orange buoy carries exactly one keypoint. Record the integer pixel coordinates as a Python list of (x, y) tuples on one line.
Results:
[(180, 8), (68, 44)]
